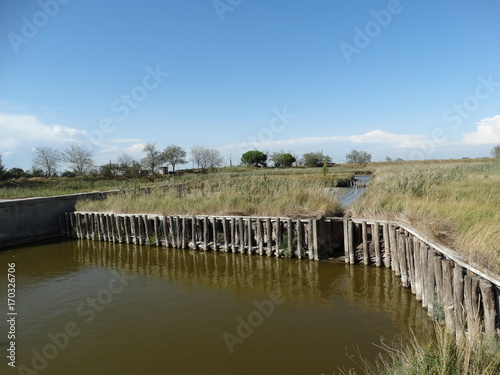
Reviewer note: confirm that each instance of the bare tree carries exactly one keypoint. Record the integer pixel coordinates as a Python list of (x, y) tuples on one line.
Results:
[(79, 158), (214, 158), (128, 166), (46, 159), (153, 159), (174, 155), (206, 157)]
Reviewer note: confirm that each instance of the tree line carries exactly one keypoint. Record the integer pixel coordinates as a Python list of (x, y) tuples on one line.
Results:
[(47, 161)]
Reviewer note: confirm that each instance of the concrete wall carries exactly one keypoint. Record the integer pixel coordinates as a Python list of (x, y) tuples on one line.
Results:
[(32, 219)]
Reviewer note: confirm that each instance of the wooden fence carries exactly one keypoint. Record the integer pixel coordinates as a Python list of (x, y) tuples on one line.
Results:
[(464, 298)]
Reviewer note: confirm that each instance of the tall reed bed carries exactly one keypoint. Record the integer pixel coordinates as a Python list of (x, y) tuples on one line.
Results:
[(252, 195), (457, 204)]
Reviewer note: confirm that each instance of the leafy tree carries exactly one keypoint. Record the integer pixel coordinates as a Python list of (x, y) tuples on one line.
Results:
[(282, 159), (109, 170), (361, 157), (47, 160), (388, 158), (315, 159), (2, 168), (153, 159), (174, 155), (254, 158), (80, 159), (495, 152), (16, 173)]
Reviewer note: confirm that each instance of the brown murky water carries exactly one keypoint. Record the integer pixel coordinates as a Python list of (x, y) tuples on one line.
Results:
[(98, 308)]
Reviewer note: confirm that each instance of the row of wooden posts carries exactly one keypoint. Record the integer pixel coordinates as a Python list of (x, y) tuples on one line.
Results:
[(464, 298)]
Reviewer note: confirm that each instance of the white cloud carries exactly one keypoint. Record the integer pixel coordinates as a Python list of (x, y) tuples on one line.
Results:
[(127, 140), (487, 131), (25, 130), (381, 137)]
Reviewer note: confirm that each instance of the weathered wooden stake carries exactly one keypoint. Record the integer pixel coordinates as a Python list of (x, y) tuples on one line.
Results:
[(350, 241), (364, 237), (430, 282), (447, 295), (269, 235), (226, 234), (260, 236), (490, 313), (205, 233), (376, 241), (289, 236), (458, 300), (387, 247), (241, 232), (300, 237), (402, 259)]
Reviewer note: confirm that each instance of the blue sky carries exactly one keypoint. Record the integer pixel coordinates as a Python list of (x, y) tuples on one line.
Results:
[(410, 79)]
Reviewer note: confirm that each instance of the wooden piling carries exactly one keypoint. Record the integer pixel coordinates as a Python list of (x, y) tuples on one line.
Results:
[(269, 236), (458, 301), (193, 233), (394, 250), (387, 247), (250, 235), (364, 238), (376, 241), (438, 275), (447, 295), (241, 232), (403, 267), (289, 236), (350, 241), (206, 231), (300, 238), (226, 234), (430, 282), (489, 311), (156, 224), (310, 238), (418, 270), (214, 234), (260, 236)]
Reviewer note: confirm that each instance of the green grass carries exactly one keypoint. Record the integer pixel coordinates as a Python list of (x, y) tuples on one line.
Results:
[(455, 203)]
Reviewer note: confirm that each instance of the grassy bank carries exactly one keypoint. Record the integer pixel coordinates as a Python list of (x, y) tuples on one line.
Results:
[(42, 187), (441, 354), (264, 195), (456, 203)]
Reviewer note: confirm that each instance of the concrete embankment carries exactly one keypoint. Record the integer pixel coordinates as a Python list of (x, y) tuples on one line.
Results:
[(32, 219)]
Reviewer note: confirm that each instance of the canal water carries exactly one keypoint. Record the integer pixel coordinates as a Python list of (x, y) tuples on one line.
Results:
[(97, 308)]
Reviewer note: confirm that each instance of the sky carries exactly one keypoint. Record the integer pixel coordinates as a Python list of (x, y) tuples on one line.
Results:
[(413, 79)]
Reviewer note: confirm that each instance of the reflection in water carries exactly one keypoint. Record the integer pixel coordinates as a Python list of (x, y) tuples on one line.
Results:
[(171, 318)]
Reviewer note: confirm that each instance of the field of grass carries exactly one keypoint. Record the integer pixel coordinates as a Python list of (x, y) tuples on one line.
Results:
[(456, 203), (294, 195), (42, 187)]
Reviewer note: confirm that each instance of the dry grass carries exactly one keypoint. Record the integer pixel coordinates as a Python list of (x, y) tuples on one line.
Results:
[(441, 354), (294, 196), (455, 203)]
